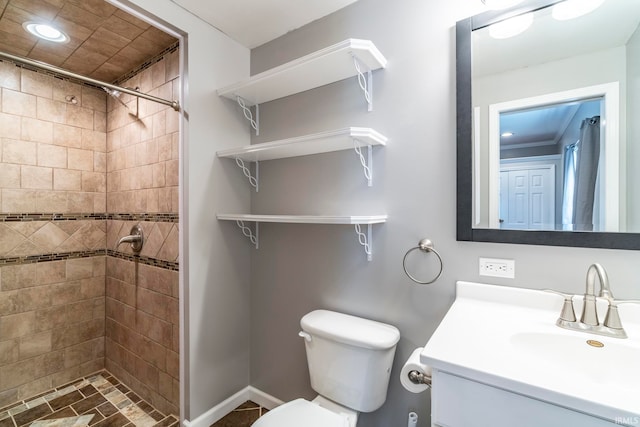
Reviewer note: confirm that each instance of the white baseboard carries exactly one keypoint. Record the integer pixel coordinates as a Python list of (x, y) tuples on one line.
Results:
[(223, 408), (263, 399)]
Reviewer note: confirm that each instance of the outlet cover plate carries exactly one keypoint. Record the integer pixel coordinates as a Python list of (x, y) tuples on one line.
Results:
[(496, 267)]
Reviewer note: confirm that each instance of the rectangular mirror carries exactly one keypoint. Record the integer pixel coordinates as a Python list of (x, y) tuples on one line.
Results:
[(546, 154)]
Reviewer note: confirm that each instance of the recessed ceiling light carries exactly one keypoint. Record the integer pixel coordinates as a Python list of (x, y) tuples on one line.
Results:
[(511, 27), (500, 4), (46, 32), (570, 9)]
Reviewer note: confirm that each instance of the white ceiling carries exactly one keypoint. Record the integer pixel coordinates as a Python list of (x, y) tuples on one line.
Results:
[(255, 22)]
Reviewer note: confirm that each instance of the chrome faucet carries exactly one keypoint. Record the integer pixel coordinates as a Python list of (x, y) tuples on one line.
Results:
[(612, 326), (589, 312), (136, 238)]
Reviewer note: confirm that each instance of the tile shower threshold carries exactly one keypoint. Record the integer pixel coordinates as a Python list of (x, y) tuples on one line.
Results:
[(97, 400)]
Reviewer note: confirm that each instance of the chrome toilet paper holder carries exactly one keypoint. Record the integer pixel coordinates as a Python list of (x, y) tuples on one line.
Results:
[(417, 377)]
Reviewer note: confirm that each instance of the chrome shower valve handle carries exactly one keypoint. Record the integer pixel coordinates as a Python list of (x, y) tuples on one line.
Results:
[(136, 238)]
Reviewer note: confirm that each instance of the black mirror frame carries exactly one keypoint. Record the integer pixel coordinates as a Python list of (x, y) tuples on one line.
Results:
[(464, 187)]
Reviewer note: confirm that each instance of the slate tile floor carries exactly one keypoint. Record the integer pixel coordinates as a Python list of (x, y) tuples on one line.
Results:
[(101, 395), (243, 416)]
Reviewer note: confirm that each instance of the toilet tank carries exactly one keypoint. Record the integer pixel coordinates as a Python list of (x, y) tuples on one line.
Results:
[(349, 358)]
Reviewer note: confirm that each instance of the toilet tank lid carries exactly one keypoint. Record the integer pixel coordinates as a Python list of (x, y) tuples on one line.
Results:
[(351, 330)]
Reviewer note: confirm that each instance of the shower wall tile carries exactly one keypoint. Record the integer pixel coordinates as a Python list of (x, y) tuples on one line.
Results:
[(46, 140), (142, 326), (161, 238), (20, 104), (91, 156), (9, 76), (10, 127), (43, 237), (51, 323), (142, 151)]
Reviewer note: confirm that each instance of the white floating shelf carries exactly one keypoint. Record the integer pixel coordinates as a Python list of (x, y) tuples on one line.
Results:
[(365, 239), (323, 142), (320, 68), (306, 219)]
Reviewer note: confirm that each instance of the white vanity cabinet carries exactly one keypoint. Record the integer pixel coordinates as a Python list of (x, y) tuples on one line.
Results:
[(498, 359), (460, 402)]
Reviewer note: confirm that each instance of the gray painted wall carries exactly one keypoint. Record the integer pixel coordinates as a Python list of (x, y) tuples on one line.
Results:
[(299, 268)]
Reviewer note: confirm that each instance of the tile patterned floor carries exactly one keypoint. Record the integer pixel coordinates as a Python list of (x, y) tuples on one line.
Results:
[(243, 416), (99, 400)]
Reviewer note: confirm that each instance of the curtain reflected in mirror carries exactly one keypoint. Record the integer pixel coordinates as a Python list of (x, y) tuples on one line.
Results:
[(581, 161)]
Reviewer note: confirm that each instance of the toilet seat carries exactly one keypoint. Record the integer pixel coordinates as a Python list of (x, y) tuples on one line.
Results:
[(301, 412)]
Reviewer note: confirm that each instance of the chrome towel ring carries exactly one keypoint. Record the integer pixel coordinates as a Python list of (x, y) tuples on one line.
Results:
[(425, 245)]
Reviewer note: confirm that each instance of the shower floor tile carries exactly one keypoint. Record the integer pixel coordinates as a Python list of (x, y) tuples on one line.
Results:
[(243, 416), (99, 400)]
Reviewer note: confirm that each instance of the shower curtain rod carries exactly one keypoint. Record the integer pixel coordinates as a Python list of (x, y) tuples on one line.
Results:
[(173, 104)]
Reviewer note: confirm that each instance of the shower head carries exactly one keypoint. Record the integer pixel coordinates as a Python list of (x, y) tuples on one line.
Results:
[(115, 94)]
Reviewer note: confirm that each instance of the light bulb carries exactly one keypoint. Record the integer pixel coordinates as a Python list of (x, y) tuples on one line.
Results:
[(511, 27), (45, 31), (570, 9)]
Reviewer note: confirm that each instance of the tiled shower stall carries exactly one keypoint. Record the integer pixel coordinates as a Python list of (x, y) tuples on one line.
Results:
[(77, 170)]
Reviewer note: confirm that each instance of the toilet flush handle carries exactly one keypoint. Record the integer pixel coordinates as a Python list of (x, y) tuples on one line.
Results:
[(305, 335)]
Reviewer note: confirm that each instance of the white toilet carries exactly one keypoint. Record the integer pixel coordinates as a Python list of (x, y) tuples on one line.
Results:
[(349, 361)]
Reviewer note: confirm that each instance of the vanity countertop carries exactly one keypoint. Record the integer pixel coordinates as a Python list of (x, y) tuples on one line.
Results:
[(506, 337)]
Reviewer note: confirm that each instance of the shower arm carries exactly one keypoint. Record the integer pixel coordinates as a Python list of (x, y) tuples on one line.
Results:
[(173, 104)]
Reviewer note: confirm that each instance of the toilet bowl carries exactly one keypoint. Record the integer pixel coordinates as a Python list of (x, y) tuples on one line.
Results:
[(349, 361), (308, 413)]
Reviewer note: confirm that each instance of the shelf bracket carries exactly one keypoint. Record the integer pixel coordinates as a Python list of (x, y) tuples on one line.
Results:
[(367, 164), (253, 180), (365, 240), (255, 124), (249, 233), (366, 83)]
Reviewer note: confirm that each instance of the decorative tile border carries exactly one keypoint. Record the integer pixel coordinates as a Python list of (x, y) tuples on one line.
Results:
[(37, 216), (153, 217), (23, 217), (32, 259), (167, 265), (147, 64)]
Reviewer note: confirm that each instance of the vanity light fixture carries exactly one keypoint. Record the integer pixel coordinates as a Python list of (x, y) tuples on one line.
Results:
[(45, 32), (500, 4), (511, 27), (570, 9)]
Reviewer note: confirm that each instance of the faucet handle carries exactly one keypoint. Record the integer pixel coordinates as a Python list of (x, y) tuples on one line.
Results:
[(612, 319), (567, 314)]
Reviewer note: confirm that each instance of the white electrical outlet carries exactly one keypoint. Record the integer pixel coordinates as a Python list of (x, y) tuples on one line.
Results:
[(495, 267)]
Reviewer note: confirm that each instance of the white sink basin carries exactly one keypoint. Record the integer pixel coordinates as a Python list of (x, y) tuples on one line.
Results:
[(507, 338), (616, 363)]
